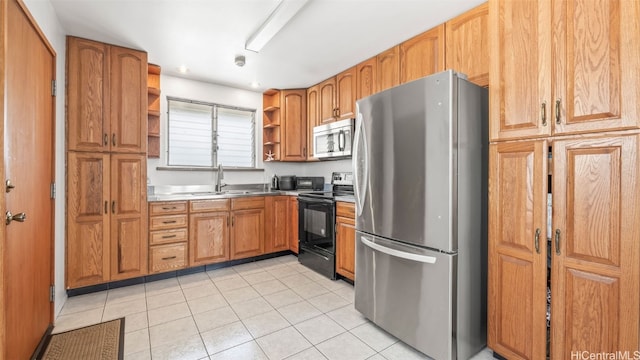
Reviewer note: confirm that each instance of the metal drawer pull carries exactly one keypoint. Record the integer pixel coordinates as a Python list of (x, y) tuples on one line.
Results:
[(543, 113), (169, 257), (113, 207), (113, 139), (106, 139), (557, 241), (169, 208), (106, 206), (537, 240), (397, 253), (558, 111), (169, 222), (169, 236)]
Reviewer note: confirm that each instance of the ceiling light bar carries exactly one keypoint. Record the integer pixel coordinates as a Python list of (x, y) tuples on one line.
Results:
[(284, 12)]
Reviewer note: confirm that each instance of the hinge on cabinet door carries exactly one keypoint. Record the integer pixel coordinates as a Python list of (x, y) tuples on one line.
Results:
[(54, 88), (53, 190), (52, 293)]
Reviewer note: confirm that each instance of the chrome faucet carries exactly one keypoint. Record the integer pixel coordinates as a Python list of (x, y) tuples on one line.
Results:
[(219, 177)]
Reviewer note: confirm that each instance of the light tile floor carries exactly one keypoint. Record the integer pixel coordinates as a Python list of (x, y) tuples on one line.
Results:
[(269, 309)]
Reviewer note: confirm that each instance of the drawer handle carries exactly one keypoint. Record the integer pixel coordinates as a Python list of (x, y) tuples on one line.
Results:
[(169, 257), (169, 208), (169, 236), (169, 222)]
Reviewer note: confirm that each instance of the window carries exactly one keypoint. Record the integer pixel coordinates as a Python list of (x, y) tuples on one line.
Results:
[(205, 135)]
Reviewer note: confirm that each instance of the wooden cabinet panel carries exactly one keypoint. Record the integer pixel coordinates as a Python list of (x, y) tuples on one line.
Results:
[(168, 222), (345, 247), (294, 124), (346, 94), (313, 116), (467, 44), (167, 207), (327, 101), (252, 202), (247, 233), (208, 205), (168, 236), (594, 55), (128, 216), (293, 224), (517, 262), (366, 78), (88, 123), (128, 96), (388, 69), (88, 228), (276, 224), (168, 257), (519, 77), (208, 238), (346, 209), (422, 55), (595, 275)]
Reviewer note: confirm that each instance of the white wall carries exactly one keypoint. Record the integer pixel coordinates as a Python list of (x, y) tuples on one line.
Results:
[(196, 90), (47, 19)]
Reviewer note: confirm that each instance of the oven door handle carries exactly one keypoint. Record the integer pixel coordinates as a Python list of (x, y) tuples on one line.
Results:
[(315, 200)]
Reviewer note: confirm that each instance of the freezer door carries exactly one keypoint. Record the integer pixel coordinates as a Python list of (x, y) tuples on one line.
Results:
[(405, 162), (408, 292)]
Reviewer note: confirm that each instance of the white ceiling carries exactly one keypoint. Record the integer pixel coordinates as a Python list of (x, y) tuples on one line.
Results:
[(324, 38)]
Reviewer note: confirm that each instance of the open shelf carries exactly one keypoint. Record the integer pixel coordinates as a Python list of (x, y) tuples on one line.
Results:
[(153, 112), (271, 125)]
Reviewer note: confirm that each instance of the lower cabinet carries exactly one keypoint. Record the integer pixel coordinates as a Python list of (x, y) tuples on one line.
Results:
[(345, 240), (167, 236), (247, 227), (276, 223), (209, 223)]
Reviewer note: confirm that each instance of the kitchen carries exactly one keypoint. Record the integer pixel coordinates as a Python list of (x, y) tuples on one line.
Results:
[(48, 21)]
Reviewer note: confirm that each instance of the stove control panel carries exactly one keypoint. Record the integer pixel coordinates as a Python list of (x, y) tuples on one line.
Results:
[(342, 178)]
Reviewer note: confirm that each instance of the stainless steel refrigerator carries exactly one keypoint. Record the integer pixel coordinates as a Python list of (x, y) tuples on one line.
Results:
[(420, 181)]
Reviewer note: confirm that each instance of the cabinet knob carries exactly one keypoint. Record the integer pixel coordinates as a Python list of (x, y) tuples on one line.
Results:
[(19, 217)]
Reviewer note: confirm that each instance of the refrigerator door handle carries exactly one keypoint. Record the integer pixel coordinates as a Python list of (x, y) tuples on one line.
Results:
[(400, 254), (360, 163)]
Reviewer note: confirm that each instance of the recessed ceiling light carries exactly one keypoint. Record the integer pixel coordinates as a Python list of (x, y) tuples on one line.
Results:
[(183, 69), (255, 84)]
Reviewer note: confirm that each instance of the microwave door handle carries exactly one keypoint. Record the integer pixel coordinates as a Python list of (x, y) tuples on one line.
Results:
[(341, 140)]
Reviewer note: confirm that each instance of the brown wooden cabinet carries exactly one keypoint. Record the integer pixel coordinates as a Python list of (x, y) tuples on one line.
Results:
[(388, 69), (422, 55), (346, 94), (153, 112), (276, 223), (106, 217), (209, 231), (345, 240), (467, 44), (366, 78), (584, 89), (168, 236), (313, 116), (247, 227), (294, 125), (293, 224), (327, 101), (106, 97)]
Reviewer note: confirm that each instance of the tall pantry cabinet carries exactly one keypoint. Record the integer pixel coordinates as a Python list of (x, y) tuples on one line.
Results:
[(106, 163), (565, 121)]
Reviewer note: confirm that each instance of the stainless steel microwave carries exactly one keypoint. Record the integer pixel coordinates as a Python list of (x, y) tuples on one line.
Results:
[(333, 140)]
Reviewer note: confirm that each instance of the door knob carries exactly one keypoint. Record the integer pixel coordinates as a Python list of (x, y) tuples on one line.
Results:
[(9, 186), (19, 217)]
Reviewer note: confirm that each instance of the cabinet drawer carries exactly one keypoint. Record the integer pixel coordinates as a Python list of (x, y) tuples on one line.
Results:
[(247, 203), (167, 257), (167, 208), (345, 209), (168, 236), (167, 222), (209, 205)]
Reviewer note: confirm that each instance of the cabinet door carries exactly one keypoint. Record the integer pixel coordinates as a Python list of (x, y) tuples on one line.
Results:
[(388, 69), (345, 247), (313, 116), (208, 238), (596, 59), (366, 78), (517, 276), (519, 77), (87, 95), (128, 100), (294, 124), (327, 101), (346, 94), (88, 250), (129, 230), (595, 281), (293, 224), (247, 233), (422, 55), (276, 223), (467, 44)]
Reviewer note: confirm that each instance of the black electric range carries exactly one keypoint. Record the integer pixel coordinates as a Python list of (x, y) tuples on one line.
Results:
[(316, 225)]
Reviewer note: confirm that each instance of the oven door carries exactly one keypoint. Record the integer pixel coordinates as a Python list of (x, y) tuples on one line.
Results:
[(316, 224)]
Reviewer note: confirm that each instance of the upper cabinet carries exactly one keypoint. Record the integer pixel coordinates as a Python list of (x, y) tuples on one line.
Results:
[(346, 94), (366, 78), (578, 83), (327, 101), (467, 44), (422, 55), (388, 69), (107, 97), (294, 123)]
